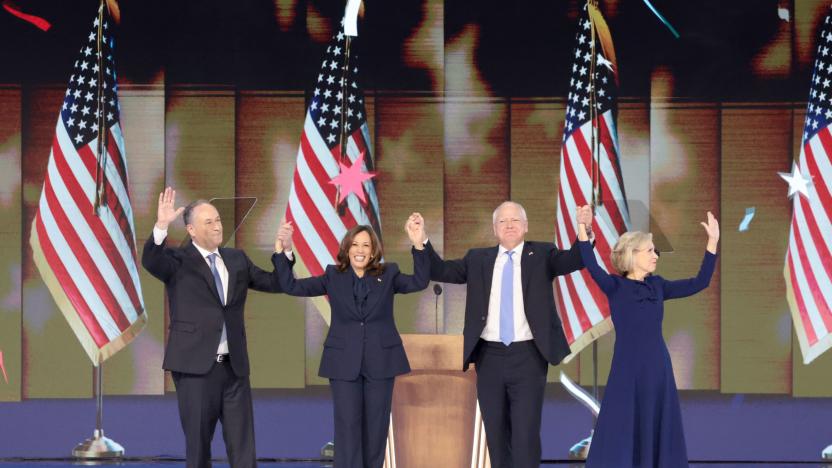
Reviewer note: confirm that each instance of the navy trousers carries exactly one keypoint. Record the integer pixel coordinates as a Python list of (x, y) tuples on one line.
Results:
[(362, 418), (511, 381)]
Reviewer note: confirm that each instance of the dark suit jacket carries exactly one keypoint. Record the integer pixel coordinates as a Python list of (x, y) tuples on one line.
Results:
[(196, 311), (541, 262), (355, 339)]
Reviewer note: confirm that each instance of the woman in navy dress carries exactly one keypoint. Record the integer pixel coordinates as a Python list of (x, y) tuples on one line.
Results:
[(363, 351), (640, 423)]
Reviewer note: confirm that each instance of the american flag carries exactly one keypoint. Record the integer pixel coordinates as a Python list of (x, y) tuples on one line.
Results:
[(582, 307), (319, 223), (808, 266), (87, 255)]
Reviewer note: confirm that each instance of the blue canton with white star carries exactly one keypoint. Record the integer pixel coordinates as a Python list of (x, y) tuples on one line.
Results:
[(327, 103), (578, 100), (80, 108), (819, 109)]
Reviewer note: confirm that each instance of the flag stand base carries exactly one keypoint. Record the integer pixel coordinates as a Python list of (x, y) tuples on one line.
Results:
[(827, 453), (98, 447)]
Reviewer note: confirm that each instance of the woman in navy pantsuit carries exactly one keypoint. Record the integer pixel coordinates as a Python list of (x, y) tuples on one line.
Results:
[(363, 351), (640, 423)]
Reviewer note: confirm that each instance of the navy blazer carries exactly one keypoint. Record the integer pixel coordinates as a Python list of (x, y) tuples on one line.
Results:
[(355, 341), (196, 310), (540, 263)]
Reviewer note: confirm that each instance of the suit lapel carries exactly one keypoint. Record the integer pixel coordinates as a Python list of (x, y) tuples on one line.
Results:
[(488, 261), (376, 286), (526, 259), (204, 270), (232, 274), (343, 285)]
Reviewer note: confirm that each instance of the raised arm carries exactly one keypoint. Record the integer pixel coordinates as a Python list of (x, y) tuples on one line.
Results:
[(421, 264), (156, 259), (691, 286), (563, 262), (445, 271), (603, 279), (306, 287)]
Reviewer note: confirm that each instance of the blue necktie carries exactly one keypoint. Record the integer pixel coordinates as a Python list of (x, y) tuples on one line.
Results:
[(212, 259), (507, 302)]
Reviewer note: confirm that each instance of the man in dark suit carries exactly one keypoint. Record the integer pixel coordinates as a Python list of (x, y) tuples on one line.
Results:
[(512, 331), (206, 350)]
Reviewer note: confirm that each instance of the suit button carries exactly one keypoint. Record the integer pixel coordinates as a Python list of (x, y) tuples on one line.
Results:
[(362, 324), (483, 317)]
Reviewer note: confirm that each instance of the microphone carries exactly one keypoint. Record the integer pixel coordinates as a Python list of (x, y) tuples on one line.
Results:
[(437, 290)]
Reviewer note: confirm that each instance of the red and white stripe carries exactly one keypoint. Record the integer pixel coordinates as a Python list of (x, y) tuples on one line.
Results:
[(582, 306), (92, 257), (808, 269), (319, 227)]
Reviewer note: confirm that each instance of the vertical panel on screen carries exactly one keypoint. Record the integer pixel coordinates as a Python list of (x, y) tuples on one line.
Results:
[(684, 183), (51, 348), (535, 138), (477, 179), (11, 346), (137, 370), (756, 325), (807, 380), (268, 125), (199, 150), (409, 160)]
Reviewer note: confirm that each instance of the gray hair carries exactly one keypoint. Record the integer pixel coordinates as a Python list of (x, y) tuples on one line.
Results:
[(186, 215), (507, 203), (622, 253)]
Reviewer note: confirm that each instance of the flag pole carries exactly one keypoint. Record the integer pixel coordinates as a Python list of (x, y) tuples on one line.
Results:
[(99, 446), (342, 136), (595, 165), (101, 117), (580, 450)]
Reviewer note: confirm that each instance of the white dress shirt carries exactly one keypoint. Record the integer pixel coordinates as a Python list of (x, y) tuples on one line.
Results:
[(159, 236), (522, 332)]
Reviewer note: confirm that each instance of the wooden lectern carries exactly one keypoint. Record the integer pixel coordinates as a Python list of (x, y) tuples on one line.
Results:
[(435, 420)]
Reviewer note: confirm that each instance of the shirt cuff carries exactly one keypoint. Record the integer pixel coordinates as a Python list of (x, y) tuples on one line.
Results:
[(159, 235), (289, 255)]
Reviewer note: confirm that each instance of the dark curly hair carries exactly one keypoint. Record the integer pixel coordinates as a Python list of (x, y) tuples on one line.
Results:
[(374, 267)]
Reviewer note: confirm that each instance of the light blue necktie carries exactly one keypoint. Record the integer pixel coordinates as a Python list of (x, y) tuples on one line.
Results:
[(212, 258), (507, 302)]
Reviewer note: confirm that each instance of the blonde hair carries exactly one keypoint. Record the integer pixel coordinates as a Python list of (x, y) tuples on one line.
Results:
[(622, 252)]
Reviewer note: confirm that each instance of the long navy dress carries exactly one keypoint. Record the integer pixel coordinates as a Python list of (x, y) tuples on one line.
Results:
[(640, 423)]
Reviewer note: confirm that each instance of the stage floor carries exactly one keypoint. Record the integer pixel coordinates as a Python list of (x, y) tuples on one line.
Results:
[(12, 463)]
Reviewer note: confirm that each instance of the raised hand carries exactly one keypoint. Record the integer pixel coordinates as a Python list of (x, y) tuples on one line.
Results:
[(166, 212), (584, 217), (415, 228), (283, 238), (712, 228)]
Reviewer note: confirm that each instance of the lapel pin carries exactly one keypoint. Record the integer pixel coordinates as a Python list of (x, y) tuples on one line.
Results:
[(379, 280), (531, 253)]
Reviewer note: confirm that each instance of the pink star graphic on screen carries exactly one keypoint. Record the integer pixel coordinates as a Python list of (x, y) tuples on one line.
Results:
[(351, 179), (3, 368)]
